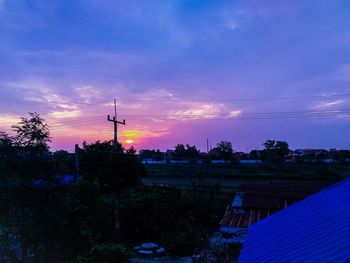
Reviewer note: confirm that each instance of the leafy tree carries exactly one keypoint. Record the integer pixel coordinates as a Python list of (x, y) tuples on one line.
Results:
[(26, 155), (6, 143), (7, 153), (192, 151), (63, 162), (33, 133), (186, 152), (112, 167), (275, 151), (224, 150), (131, 150), (180, 151)]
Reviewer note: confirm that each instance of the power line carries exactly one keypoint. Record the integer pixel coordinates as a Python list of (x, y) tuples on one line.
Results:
[(176, 100), (225, 116)]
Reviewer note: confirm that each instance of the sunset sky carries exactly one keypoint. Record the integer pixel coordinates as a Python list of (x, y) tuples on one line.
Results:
[(182, 71)]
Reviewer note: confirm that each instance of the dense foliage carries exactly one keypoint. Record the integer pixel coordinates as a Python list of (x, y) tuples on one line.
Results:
[(112, 167), (26, 155), (54, 224), (32, 133), (166, 216), (275, 151), (185, 152), (223, 150)]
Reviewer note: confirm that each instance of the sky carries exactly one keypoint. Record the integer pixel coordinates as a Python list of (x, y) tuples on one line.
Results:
[(182, 71)]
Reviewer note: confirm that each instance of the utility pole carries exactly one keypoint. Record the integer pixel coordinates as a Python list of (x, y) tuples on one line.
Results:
[(115, 123), (207, 145), (77, 162)]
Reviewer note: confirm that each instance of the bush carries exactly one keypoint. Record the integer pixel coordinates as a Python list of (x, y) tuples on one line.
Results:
[(106, 253)]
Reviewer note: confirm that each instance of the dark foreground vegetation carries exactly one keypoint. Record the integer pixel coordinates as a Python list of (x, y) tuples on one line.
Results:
[(98, 217), (77, 223)]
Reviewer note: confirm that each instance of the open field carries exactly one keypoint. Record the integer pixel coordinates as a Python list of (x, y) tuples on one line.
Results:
[(229, 177)]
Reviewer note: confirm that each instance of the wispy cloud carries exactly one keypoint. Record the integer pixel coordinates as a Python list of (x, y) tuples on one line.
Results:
[(328, 104), (204, 111), (6, 121), (88, 93)]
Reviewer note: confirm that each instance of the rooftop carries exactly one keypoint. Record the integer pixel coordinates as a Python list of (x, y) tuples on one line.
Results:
[(316, 229)]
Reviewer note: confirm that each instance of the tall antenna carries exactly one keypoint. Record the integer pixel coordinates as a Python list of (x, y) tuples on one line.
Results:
[(115, 108), (115, 123)]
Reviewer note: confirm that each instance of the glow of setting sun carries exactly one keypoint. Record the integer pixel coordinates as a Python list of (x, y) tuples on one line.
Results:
[(129, 141)]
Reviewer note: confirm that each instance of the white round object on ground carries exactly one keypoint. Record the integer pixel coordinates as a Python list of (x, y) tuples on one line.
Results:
[(149, 246)]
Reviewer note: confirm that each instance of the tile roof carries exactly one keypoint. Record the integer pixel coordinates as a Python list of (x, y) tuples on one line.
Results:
[(233, 218), (316, 229)]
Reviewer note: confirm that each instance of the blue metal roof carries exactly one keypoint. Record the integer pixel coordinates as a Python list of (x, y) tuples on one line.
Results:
[(316, 229)]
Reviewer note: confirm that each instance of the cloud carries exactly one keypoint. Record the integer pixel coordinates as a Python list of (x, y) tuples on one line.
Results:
[(204, 111), (235, 113), (65, 114), (6, 121), (167, 60), (328, 104), (88, 93)]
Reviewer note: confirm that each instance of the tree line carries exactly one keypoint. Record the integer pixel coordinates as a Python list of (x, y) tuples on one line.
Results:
[(274, 151)]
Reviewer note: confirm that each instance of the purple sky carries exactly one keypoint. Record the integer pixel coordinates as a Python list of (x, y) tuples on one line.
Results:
[(182, 71)]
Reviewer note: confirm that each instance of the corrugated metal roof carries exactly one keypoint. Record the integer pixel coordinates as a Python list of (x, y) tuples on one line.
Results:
[(316, 229)]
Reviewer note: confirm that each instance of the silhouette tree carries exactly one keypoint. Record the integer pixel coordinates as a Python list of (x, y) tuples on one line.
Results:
[(186, 152), (275, 151), (6, 143), (33, 133), (112, 167), (224, 149)]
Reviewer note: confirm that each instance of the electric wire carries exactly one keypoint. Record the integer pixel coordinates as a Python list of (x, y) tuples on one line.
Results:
[(218, 117)]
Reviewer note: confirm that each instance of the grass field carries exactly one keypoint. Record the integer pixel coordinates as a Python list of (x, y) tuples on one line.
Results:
[(229, 177)]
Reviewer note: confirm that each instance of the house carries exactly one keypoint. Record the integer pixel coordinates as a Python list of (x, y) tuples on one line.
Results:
[(250, 161), (316, 229), (218, 161), (253, 203), (151, 157), (152, 161)]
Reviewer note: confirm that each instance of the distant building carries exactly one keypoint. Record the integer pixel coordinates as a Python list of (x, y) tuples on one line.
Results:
[(151, 157), (152, 161), (218, 161), (316, 229), (310, 151), (180, 161), (250, 161)]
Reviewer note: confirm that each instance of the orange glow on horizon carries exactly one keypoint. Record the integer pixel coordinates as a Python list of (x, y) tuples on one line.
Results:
[(129, 141)]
